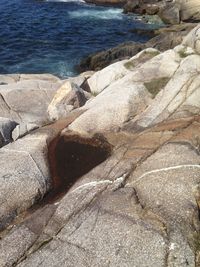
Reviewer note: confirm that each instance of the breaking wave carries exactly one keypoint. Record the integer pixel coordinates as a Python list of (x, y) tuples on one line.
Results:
[(92, 13)]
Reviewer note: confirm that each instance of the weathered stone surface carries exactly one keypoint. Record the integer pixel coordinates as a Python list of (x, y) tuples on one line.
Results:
[(149, 198), (180, 96), (189, 10), (128, 96), (24, 177), (6, 79), (13, 78), (27, 100), (6, 128), (128, 195), (94, 243), (24, 173), (68, 97), (41, 77), (172, 12), (170, 37), (193, 39), (23, 129), (102, 79), (161, 39), (110, 109)]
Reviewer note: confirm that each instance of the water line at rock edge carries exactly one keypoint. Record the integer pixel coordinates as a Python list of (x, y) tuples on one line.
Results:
[(59, 34)]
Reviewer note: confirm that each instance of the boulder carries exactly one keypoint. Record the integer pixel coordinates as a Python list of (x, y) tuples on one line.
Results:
[(27, 100), (193, 39), (68, 97), (104, 78), (170, 37), (25, 174), (162, 39), (142, 7), (129, 96), (23, 129), (171, 12), (158, 67), (189, 10), (110, 109), (6, 128), (180, 96), (79, 80)]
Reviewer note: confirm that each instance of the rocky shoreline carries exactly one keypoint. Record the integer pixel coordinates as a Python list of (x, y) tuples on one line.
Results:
[(103, 169), (162, 39), (180, 17), (170, 11)]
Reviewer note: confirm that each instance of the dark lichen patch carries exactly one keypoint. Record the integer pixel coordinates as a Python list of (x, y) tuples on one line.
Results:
[(155, 85)]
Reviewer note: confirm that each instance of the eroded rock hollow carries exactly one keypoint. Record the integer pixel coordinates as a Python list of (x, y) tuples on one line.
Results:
[(72, 156)]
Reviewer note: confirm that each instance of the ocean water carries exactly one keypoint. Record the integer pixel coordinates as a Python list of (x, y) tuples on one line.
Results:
[(52, 36)]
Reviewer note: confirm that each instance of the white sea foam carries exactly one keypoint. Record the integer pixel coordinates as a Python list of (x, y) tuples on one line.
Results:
[(108, 14)]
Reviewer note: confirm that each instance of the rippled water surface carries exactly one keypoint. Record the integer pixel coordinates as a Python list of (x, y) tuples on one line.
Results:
[(52, 36)]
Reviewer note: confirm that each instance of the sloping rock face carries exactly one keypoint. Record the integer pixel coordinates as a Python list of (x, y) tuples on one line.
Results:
[(27, 100), (116, 182), (137, 208), (189, 10), (24, 174), (68, 97), (129, 95)]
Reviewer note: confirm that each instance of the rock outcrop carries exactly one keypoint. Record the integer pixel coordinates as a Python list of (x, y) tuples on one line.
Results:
[(6, 128), (171, 12), (25, 98), (162, 39), (68, 97), (115, 182), (102, 59)]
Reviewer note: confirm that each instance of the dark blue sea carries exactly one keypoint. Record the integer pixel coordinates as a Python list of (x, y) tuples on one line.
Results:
[(52, 36)]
